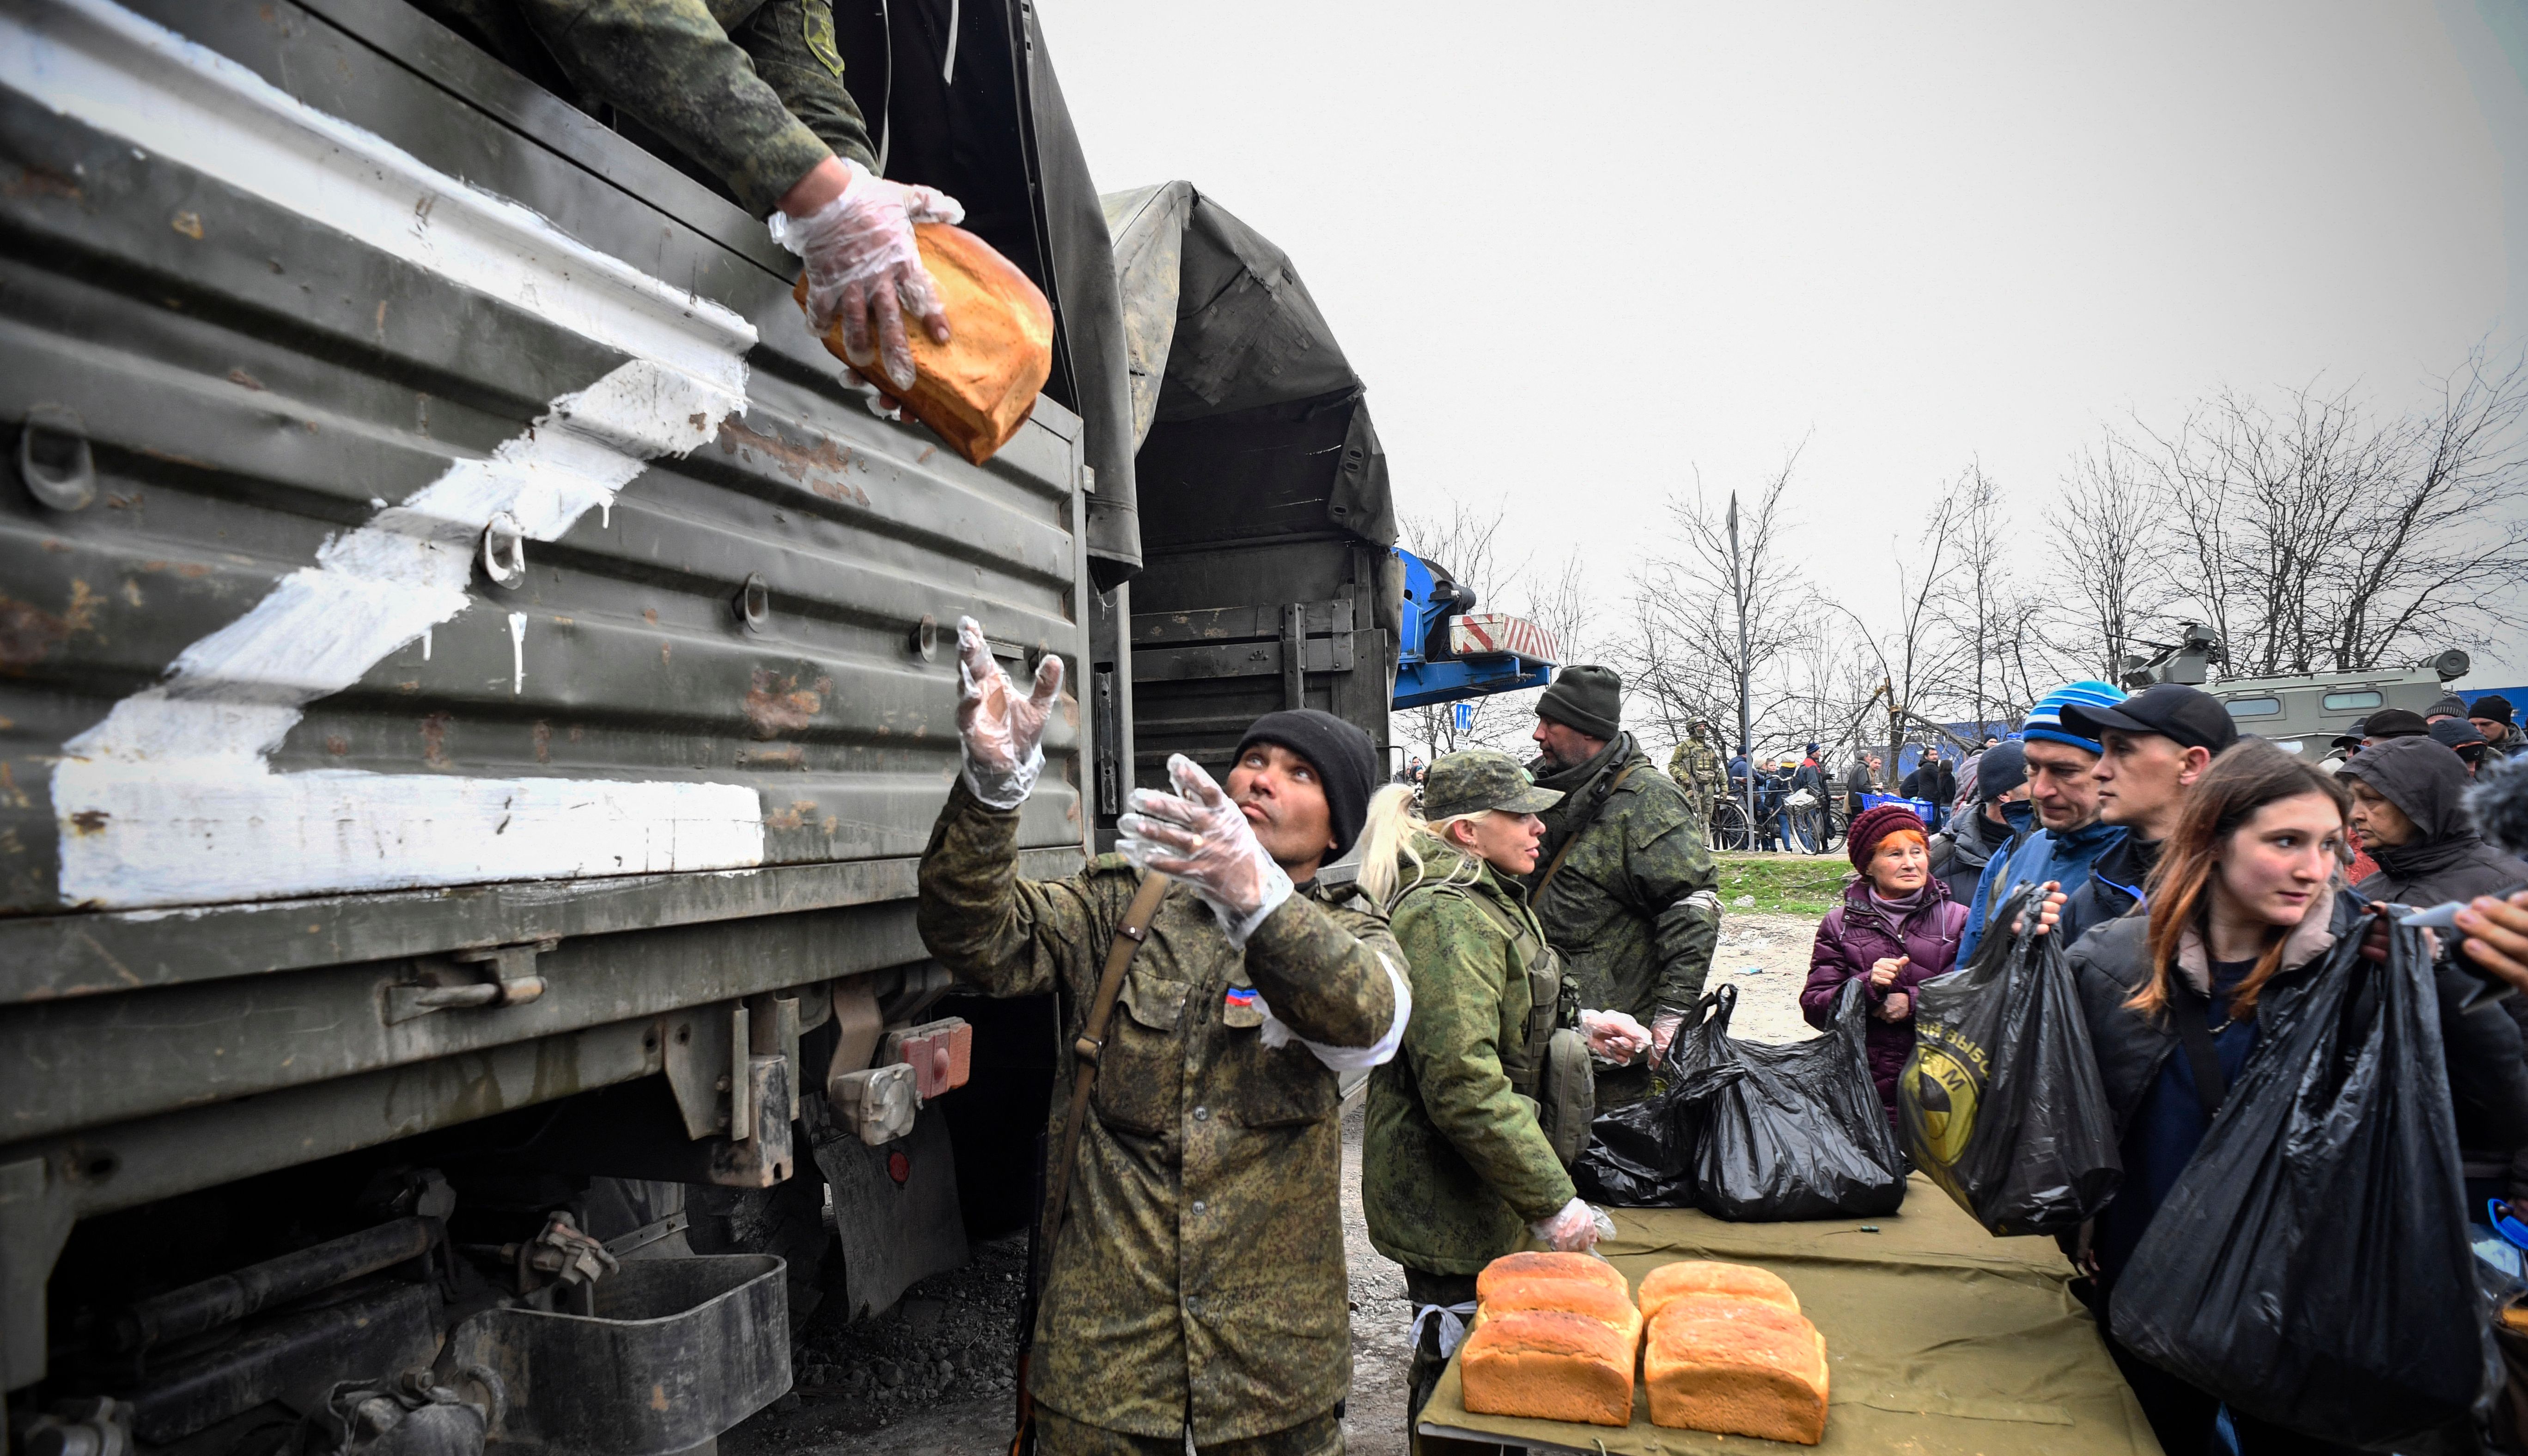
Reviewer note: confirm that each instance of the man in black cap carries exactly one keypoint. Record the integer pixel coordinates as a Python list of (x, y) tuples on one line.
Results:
[(2491, 715), (2392, 723), (1624, 884), (1194, 1288), (2155, 745), (2460, 737), (2002, 817)]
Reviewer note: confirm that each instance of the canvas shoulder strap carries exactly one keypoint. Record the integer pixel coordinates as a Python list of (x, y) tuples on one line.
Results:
[(1587, 817), (1130, 934)]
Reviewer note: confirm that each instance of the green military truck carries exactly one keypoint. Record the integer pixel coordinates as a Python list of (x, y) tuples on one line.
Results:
[(476, 677)]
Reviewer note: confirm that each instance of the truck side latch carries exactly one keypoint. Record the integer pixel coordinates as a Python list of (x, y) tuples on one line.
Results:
[(442, 986)]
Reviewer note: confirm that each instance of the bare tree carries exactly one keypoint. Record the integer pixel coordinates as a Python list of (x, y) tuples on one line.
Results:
[(1983, 605), (1917, 650), (2109, 557), (1680, 651)]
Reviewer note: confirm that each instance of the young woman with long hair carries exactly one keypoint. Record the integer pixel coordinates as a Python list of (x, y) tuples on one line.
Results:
[(2248, 898), (1455, 1163)]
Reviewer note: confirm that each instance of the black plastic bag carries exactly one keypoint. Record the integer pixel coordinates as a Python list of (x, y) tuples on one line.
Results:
[(2311, 1266), (1790, 1131), (2001, 1100), (1641, 1155)]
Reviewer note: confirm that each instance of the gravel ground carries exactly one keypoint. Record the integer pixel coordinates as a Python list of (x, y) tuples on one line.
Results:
[(931, 1377)]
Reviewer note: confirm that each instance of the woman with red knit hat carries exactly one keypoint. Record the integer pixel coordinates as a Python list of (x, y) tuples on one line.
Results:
[(1896, 928)]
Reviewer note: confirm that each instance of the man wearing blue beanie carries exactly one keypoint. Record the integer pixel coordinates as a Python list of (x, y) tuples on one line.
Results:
[(2070, 838)]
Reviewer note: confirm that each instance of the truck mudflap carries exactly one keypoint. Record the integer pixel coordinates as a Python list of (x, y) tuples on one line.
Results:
[(675, 1352)]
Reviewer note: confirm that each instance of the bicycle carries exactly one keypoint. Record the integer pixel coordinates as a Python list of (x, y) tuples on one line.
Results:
[(1728, 826)]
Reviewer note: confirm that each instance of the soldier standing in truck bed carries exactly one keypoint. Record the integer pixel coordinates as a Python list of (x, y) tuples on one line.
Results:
[(752, 91), (1197, 1285), (1626, 887)]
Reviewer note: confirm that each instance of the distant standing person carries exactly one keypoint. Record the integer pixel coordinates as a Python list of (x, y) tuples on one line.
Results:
[(2491, 715), (1698, 770), (1860, 779), (1625, 889)]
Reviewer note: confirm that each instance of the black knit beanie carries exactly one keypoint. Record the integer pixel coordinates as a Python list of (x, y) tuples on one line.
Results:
[(2002, 768), (1345, 760), (1587, 698)]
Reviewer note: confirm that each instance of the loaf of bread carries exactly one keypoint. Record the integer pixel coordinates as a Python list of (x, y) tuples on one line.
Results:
[(1588, 1267), (975, 389), (1707, 1277), (1737, 1366), (1548, 1364), (1584, 1297)]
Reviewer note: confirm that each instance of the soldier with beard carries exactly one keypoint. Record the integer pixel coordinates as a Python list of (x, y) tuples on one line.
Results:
[(1624, 885)]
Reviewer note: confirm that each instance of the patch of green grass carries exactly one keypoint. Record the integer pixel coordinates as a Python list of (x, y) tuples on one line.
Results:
[(1782, 884)]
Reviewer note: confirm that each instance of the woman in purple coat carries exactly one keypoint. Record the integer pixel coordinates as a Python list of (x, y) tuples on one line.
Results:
[(1896, 928)]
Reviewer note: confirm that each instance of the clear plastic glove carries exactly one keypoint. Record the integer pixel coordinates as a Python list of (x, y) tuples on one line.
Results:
[(1198, 836), (1574, 1230), (863, 264), (1615, 1036), (1663, 1030), (1003, 733)]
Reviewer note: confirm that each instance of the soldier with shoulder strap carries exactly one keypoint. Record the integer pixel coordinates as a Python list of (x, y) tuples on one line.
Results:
[(1628, 893), (1188, 1287), (1470, 1128)]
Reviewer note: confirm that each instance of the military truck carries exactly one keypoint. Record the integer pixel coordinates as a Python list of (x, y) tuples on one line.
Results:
[(476, 677), (2305, 712)]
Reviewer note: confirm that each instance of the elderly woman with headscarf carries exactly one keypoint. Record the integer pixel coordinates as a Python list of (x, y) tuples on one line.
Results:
[(1896, 928)]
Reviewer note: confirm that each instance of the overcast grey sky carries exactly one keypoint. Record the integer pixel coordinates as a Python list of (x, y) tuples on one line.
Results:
[(1578, 250)]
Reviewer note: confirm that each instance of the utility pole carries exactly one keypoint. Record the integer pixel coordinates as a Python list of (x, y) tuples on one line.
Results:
[(1738, 594)]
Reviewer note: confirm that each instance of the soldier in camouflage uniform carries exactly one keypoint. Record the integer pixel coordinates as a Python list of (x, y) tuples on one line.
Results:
[(1454, 1166), (1196, 1285), (752, 91), (1697, 768), (1625, 889)]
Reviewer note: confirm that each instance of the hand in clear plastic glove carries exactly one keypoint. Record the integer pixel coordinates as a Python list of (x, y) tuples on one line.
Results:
[(862, 265), (1663, 1030), (1574, 1230), (1198, 836), (1003, 733), (1615, 1036)]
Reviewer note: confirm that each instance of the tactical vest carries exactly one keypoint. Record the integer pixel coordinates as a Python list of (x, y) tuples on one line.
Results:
[(1548, 1066)]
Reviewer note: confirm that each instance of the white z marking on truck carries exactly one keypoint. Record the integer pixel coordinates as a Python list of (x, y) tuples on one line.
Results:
[(171, 799)]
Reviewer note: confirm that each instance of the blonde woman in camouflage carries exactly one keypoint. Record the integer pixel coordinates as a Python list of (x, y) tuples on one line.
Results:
[(1471, 1126)]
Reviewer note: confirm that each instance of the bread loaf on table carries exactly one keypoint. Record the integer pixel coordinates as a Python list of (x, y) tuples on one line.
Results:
[(1548, 1364), (1546, 1265), (1587, 1298), (1709, 1277), (975, 389), (1736, 1366)]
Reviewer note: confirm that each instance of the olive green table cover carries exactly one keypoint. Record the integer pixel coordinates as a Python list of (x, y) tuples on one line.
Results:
[(1940, 1340)]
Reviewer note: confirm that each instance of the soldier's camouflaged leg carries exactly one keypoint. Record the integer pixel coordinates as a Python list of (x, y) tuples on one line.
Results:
[(1057, 1435)]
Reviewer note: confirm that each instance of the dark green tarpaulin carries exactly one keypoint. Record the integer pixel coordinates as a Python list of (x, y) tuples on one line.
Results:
[(1942, 1341)]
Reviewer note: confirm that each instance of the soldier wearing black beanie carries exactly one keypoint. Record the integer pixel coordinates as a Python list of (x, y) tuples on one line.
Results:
[(1345, 761)]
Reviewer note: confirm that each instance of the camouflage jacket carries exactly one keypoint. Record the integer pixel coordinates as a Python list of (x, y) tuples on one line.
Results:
[(1452, 1162), (1635, 909), (751, 90), (1697, 768), (1199, 1269)]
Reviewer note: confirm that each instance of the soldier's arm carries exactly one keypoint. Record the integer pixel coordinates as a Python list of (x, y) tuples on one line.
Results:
[(1675, 883), (668, 62), (792, 45), (1001, 934), (1452, 1045), (1333, 976)]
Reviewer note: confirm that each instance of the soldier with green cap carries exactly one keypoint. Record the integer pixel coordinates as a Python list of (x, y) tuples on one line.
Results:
[(1624, 885), (1469, 1130)]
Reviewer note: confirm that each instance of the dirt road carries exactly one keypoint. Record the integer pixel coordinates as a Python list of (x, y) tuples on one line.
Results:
[(931, 1377)]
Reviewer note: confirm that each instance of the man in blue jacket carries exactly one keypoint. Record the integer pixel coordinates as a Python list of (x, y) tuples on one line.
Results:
[(2066, 797)]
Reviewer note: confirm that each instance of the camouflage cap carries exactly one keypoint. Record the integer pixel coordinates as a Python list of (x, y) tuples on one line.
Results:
[(1478, 779)]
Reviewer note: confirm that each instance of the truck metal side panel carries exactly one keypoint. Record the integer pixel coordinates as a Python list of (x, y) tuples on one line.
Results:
[(301, 292)]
